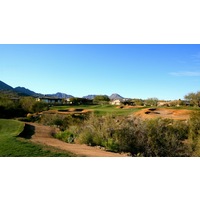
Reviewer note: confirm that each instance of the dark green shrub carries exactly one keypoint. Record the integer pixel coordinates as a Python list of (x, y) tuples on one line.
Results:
[(65, 136), (165, 138), (111, 145), (39, 107), (96, 131), (194, 133), (86, 138)]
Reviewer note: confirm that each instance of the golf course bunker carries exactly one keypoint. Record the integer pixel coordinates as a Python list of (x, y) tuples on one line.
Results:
[(71, 110), (150, 112), (178, 114)]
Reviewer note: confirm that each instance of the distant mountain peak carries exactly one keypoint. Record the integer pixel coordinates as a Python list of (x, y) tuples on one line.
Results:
[(90, 96), (60, 95), (116, 96)]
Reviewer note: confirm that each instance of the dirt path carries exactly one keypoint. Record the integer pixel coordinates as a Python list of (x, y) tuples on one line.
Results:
[(42, 134)]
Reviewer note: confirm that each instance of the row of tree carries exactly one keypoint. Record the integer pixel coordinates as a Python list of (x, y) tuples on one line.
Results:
[(19, 106)]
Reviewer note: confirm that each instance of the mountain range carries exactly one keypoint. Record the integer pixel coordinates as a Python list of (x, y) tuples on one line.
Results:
[(22, 91), (19, 90)]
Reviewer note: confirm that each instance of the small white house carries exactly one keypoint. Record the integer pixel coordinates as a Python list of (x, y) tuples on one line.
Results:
[(116, 102), (163, 103)]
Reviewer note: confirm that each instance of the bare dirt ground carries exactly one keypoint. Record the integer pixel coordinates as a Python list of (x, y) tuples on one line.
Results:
[(164, 113), (43, 135)]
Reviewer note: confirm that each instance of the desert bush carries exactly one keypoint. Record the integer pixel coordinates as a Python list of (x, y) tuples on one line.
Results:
[(111, 145), (63, 122), (39, 107), (86, 138), (65, 136), (97, 130), (194, 133), (165, 138), (54, 120), (151, 138), (131, 136), (48, 119)]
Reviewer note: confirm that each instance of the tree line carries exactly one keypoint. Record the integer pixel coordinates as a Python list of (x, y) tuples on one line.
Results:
[(16, 106)]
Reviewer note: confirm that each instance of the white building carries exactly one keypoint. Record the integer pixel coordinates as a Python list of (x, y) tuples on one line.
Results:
[(116, 102)]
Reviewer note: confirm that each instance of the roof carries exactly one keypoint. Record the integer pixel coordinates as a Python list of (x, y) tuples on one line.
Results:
[(50, 98)]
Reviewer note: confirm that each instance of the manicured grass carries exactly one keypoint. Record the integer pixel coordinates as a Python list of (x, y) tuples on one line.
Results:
[(13, 146), (100, 109), (10, 127)]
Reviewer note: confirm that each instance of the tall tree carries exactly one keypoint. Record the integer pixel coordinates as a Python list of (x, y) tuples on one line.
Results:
[(194, 98), (27, 103), (101, 99), (151, 102)]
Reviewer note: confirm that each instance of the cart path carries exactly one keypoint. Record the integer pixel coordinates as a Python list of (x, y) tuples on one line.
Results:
[(43, 135)]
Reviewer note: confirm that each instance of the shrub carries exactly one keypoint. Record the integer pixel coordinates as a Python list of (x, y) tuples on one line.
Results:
[(86, 138), (194, 133), (39, 107), (165, 138), (152, 138), (65, 136), (131, 137), (111, 145), (97, 130), (61, 121)]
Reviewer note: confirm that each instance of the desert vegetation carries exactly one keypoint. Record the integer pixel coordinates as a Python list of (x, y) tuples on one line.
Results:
[(133, 128), (150, 138), (121, 132)]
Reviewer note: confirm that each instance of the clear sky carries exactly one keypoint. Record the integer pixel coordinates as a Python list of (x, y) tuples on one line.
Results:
[(135, 71)]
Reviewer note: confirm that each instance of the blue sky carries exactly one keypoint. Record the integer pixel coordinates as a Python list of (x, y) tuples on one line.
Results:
[(135, 71)]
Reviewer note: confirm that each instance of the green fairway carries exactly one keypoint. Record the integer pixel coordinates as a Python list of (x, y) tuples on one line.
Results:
[(101, 109), (13, 146)]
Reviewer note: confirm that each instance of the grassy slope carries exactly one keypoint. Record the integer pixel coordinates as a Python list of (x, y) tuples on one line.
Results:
[(13, 146), (100, 110)]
